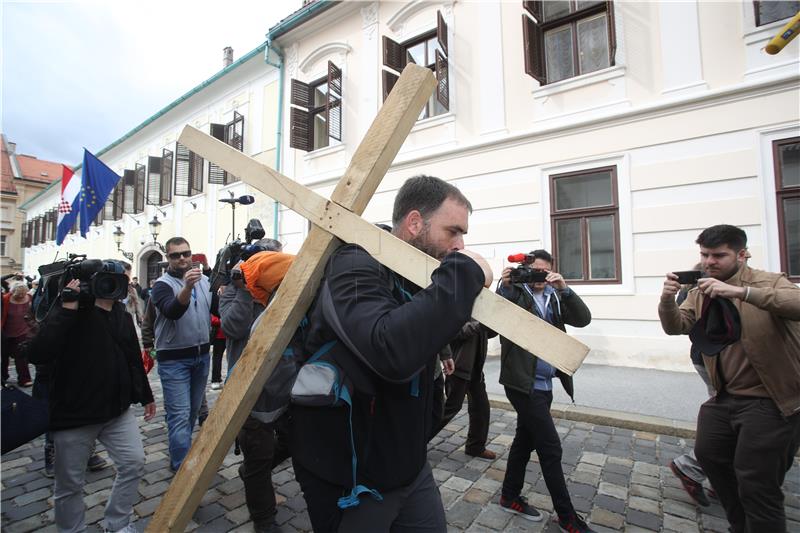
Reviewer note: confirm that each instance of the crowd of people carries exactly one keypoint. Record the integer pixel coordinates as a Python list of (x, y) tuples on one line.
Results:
[(401, 360)]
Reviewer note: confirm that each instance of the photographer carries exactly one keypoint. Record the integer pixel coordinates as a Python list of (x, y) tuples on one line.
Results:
[(182, 301), (529, 387), (97, 374), (261, 447)]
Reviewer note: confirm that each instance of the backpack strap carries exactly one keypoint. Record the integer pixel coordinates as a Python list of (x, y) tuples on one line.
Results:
[(351, 500)]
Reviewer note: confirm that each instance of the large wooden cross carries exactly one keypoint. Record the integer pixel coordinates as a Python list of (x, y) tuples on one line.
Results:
[(333, 219)]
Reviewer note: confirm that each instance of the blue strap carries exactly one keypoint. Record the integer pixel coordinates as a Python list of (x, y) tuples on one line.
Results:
[(415, 386), (351, 500), (405, 293), (325, 348)]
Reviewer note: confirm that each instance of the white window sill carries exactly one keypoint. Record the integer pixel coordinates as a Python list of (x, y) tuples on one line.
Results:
[(432, 122), (322, 152), (610, 73), (761, 33)]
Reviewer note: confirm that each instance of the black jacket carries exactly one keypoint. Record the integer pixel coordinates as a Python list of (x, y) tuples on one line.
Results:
[(97, 370), (517, 366), (398, 340)]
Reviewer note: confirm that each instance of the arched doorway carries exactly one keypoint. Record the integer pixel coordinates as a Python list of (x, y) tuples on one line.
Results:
[(153, 267)]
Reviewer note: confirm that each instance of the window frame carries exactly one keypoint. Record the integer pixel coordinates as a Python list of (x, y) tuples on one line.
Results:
[(302, 111), (3, 245), (757, 15), (583, 214), (782, 193), (534, 28)]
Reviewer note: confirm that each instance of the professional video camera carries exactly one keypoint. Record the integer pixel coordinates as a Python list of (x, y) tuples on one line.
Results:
[(523, 273), (98, 279), (235, 251)]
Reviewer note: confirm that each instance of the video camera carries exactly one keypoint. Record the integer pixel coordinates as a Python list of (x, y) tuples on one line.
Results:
[(98, 279), (523, 273), (235, 251)]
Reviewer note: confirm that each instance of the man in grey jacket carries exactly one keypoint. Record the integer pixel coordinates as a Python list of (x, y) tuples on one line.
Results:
[(258, 439), (182, 299)]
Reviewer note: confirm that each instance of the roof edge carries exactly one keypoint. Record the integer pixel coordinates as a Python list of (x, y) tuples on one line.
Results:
[(300, 16)]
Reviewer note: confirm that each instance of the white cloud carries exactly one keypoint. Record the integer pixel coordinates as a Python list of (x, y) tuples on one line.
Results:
[(82, 73)]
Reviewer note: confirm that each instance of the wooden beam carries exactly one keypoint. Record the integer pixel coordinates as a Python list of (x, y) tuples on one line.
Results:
[(370, 162), (523, 328)]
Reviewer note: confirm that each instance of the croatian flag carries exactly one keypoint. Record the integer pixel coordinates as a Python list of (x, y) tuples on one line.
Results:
[(69, 206)]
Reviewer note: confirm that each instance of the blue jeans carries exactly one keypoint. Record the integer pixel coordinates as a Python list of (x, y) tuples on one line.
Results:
[(183, 382)]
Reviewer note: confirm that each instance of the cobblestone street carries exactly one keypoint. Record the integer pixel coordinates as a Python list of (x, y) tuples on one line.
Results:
[(618, 478)]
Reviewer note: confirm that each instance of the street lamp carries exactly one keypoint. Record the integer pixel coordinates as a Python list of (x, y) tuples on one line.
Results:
[(119, 235), (155, 229)]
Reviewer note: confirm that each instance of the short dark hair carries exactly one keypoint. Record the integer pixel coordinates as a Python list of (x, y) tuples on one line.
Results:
[(723, 234), (425, 194), (270, 244), (175, 241), (542, 254)]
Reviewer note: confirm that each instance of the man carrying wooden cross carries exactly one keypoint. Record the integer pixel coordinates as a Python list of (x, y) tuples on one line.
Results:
[(384, 334)]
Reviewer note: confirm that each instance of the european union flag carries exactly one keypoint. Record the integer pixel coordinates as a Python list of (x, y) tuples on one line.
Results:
[(97, 181)]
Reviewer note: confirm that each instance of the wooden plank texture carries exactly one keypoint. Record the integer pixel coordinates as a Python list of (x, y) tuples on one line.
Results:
[(370, 162)]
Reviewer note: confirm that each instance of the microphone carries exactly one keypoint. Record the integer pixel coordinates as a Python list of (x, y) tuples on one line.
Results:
[(516, 258), (244, 200), (227, 200)]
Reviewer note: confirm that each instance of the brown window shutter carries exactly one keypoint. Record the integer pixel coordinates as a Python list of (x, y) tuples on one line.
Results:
[(196, 174), (22, 234), (182, 161), (301, 94), (36, 231), (234, 135), (393, 56), (441, 32), (165, 196), (535, 9), (153, 179), (119, 201), (29, 235), (300, 130), (612, 34), (532, 40), (389, 79), (215, 174), (442, 81), (333, 102), (139, 188)]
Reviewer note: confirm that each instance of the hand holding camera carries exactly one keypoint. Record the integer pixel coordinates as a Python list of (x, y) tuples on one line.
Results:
[(71, 294), (192, 276)]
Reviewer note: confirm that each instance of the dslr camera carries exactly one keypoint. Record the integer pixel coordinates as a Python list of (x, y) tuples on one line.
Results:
[(523, 273), (237, 250), (98, 279)]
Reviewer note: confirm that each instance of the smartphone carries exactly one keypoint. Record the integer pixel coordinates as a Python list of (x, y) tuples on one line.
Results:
[(688, 277), (197, 264)]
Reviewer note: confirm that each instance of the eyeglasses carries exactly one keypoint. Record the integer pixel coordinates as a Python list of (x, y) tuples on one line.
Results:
[(178, 255)]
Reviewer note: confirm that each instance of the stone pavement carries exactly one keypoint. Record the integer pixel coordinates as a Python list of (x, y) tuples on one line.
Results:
[(618, 478)]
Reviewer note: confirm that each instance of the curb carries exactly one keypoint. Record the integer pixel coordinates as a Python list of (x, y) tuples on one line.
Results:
[(607, 417)]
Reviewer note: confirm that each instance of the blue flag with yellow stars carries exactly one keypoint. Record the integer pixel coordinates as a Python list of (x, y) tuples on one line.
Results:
[(97, 181)]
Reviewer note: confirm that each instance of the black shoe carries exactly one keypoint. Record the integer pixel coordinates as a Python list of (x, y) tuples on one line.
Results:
[(96, 463), (692, 487), (49, 460), (519, 506), (574, 524)]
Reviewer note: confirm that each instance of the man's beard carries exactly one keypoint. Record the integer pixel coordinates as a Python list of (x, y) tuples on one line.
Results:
[(422, 242)]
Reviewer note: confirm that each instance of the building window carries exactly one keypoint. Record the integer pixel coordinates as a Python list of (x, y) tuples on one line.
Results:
[(428, 50), (567, 38), (316, 114), (585, 225), (3, 249), (231, 134), (188, 171), (774, 10), (786, 155)]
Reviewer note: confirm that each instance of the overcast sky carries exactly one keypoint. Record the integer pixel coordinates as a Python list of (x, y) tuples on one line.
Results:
[(81, 73)]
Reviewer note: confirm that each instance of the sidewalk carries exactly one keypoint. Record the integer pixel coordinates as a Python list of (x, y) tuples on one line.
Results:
[(658, 393)]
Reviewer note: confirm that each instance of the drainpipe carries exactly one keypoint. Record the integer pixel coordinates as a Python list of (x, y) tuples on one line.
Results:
[(279, 64)]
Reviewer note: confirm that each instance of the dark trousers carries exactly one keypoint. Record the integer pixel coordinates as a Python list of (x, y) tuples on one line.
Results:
[(263, 448), (10, 348), (478, 407), (415, 508), (536, 431), (745, 448), (217, 349)]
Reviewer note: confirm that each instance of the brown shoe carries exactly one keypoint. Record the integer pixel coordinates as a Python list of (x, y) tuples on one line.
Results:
[(485, 454)]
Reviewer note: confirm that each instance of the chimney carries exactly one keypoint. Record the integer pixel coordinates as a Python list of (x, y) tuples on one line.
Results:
[(12, 147), (227, 56)]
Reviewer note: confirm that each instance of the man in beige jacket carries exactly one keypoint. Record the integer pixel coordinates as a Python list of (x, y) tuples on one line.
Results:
[(749, 432)]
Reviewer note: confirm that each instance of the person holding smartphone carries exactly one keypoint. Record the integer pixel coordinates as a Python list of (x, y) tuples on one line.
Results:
[(528, 381), (182, 300)]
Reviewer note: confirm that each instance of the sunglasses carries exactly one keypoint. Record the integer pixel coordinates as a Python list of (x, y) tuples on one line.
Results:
[(178, 255)]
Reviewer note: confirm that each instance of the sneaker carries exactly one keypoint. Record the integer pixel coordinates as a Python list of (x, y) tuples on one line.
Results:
[(692, 487), (519, 506), (574, 524), (96, 463), (216, 385), (49, 461), (25, 384), (485, 454)]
